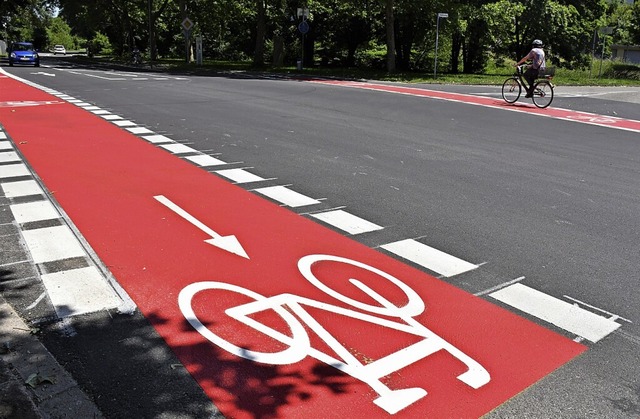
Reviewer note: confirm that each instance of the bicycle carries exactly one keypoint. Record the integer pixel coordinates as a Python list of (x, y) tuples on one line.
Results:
[(542, 88)]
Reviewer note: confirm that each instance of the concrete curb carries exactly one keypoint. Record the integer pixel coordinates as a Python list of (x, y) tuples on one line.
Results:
[(32, 383)]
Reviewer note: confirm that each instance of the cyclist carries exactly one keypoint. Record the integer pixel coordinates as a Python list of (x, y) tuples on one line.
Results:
[(536, 55)]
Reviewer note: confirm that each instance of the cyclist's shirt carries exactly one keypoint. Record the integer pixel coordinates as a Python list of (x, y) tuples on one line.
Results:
[(536, 55)]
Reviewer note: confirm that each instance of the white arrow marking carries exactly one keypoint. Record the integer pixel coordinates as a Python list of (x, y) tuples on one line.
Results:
[(45, 74), (228, 243)]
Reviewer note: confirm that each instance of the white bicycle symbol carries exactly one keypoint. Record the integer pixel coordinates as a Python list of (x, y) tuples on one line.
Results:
[(299, 346)]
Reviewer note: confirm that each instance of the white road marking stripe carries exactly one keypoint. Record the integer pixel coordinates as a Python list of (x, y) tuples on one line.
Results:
[(124, 123), (34, 211), (287, 196), (79, 291), (346, 222), (22, 188), (13, 170), (91, 108), (205, 160), (139, 130), (3, 136), (158, 139), (428, 257), (239, 175), (52, 243), (178, 148), (5, 145), (9, 156), (560, 313), (101, 112), (608, 313), (110, 117)]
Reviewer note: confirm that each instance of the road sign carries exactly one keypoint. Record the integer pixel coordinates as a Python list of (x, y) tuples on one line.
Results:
[(187, 24), (443, 15), (303, 27), (606, 30)]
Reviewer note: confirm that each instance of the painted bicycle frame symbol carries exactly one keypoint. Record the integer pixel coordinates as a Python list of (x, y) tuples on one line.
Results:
[(299, 346)]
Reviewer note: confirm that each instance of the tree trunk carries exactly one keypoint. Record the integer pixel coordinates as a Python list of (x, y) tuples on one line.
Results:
[(391, 41), (261, 31), (456, 45)]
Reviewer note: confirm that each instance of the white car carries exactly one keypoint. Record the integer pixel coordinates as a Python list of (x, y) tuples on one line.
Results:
[(59, 49)]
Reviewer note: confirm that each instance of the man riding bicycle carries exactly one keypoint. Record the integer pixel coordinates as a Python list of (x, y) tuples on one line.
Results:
[(536, 55)]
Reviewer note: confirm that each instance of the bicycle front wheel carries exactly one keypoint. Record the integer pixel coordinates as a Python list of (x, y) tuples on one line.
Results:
[(542, 94), (511, 90)]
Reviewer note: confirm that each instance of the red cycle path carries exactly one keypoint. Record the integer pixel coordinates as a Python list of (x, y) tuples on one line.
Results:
[(106, 178), (524, 105)]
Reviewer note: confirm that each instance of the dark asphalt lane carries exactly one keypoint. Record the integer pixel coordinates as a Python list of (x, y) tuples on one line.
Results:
[(553, 201)]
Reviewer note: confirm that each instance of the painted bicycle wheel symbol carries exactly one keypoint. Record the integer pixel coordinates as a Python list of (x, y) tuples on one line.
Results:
[(297, 343)]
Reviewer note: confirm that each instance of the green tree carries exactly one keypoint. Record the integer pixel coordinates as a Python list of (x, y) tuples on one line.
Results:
[(59, 33)]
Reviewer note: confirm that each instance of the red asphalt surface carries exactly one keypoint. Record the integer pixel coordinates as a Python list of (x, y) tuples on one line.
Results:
[(105, 179)]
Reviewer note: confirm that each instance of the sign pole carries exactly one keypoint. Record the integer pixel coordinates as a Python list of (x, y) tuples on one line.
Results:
[(435, 62)]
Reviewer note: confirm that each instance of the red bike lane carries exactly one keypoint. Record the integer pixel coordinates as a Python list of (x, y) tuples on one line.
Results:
[(299, 321), (551, 112)]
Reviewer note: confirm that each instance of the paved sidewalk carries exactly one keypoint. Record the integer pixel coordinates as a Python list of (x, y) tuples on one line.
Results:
[(32, 383)]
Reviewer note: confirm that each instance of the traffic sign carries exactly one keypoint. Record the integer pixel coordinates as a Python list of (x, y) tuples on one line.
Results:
[(303, 27), (187, 24)]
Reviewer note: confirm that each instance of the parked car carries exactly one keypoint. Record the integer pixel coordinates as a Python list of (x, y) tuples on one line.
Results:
[(23, 53), (59, 49)]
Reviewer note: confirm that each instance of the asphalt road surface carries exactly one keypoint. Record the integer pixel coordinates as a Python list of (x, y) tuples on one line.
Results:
[(534, 212)]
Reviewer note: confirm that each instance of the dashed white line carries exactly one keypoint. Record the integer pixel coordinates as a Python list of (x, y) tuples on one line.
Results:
[(110, 117), (287, 196), (124, 123), (239, 175), (345, 221), (178, 148), (155, 139), (428, 257), (139, 130), (555, 311), (205, 160)]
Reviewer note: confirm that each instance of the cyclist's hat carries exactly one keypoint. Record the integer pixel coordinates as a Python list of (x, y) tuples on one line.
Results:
[(536, 43)]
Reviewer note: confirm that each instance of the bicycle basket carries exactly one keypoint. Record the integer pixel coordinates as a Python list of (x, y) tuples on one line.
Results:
[(547, 72)]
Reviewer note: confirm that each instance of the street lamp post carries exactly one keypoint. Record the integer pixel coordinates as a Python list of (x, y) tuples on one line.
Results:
[(435, 62)]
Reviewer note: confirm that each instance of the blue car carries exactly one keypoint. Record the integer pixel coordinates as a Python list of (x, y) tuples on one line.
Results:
[(23, 53)]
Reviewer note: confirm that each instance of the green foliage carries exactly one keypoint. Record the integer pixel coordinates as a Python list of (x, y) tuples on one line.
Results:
[(617, 70), (59, 33), (99, 44)]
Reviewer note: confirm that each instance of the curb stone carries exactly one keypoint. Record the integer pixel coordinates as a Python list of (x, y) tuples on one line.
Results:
[(53, 394)]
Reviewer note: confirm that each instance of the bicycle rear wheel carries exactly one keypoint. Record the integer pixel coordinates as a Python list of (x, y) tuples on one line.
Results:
[(542, 94), (511, 90)]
